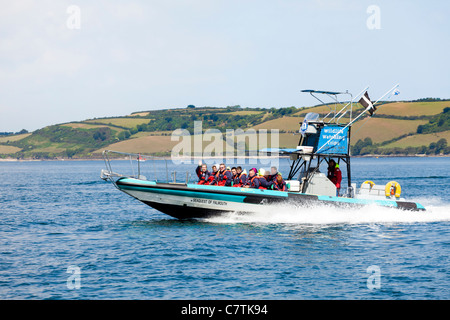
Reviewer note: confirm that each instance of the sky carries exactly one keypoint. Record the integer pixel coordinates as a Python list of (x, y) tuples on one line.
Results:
[(63, 61)]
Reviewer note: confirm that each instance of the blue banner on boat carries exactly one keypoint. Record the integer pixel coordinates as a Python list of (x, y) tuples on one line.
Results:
[(333, 140)]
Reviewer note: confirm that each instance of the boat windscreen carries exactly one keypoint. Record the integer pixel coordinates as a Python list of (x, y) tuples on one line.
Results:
[(311, 117)]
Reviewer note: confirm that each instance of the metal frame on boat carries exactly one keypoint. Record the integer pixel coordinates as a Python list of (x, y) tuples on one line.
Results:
[(321, 140)]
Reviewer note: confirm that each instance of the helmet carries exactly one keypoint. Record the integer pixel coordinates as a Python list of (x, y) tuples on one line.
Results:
[(261, 172)]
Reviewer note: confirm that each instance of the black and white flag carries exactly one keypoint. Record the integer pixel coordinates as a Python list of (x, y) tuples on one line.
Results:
[(367, 104)]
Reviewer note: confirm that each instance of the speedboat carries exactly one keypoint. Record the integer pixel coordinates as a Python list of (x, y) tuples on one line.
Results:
[(322, 139)]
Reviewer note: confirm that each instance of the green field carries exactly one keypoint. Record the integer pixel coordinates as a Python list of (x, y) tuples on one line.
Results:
[(121, 122), (395, 125), (242, 113), (418, 140), (410, 109), (381, 129), (145, 144), (284, 123), (404, 109), (13, 138), (85, 125), (9, 149)]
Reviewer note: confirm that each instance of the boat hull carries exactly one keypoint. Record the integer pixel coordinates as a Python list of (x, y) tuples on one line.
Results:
[(186, 201)]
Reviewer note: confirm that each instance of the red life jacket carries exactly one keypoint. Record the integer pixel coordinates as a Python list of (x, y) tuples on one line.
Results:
[(211, 177), (338, 175), (203, 177), (335, 176), (221, 177)]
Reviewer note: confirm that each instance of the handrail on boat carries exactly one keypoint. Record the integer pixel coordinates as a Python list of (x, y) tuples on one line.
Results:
[(109, 174)]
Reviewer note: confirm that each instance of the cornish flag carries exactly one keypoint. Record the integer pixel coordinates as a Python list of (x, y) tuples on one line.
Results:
[(367, 104)]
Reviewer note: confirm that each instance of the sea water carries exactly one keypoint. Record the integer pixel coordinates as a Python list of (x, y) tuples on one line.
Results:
[(67, 234)]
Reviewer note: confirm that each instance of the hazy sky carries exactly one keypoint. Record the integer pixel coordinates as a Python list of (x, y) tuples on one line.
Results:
[(126, 56)]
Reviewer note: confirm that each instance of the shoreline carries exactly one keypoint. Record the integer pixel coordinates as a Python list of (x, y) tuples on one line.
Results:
[(218, 157)]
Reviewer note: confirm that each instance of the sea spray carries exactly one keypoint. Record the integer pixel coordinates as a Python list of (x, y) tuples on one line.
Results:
[(325, 215)]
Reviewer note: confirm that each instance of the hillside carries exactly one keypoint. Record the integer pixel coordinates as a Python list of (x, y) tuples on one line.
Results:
[(397, 128)]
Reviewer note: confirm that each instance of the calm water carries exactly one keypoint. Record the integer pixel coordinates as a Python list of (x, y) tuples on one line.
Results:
[(57, 218)]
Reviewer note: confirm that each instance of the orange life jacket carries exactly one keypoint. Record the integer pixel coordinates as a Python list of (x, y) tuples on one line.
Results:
[(221, 177), (251, 183), (279, 186), (238, 180)]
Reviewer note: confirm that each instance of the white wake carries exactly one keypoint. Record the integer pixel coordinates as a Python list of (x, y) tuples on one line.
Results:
[(436, 210)]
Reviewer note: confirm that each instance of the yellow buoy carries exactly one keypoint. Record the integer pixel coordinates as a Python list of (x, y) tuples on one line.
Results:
[(393, 189), (371, 183)]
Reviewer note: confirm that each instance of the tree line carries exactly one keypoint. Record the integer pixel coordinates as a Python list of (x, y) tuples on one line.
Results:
[(366, 147)]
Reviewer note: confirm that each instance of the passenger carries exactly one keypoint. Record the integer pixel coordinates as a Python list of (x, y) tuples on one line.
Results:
[(241, 177), (252, 181), (279, 184), (202, 173), (273, 173), (213, 173), (256, 180), (222, 177), (233, 175), (335, 175), (264, 180)]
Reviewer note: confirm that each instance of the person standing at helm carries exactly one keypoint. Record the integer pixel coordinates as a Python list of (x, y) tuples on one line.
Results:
[(335, 175)]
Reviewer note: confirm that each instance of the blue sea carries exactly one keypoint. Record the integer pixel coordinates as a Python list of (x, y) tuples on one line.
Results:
[(67, 234)]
